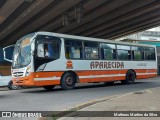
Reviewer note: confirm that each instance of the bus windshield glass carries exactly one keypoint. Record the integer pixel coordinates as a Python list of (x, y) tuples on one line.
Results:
[(22, 52)]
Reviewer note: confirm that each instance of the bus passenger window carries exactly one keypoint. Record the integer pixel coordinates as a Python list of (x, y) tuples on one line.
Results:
[(73, 52), (48, 49), (67, 52), (122, 54), (91, 53), (76, 52), (46, 53), (107, 54), (40, 49), (108, 51), (73, 49), (147, 55), (91, 50), (153, 56), (137, 53), (114, 54), (129, 55)]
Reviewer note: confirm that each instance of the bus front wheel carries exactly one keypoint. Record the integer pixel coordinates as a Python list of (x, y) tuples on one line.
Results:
[(49, 87), (12, 87), (68, 81), (130, 78)]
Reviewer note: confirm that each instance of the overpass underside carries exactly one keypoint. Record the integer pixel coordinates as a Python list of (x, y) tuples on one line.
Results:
[(94, 18)]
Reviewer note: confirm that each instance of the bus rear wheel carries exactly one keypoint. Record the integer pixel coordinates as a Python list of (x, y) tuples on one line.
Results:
[(49, 87), (130, 78), (68, 81)]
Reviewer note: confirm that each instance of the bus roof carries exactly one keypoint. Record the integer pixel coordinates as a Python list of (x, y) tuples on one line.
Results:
[(90, 39)]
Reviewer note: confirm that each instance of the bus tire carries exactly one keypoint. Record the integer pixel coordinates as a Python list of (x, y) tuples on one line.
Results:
[(49, 87), (68, 81), (12, 87), (130, 78)]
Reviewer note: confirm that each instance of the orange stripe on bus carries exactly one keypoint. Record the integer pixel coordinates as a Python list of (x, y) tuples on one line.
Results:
[(47, 74), (105, 79), (145, 70), (146, 76), (100, 72), (47, 82), (29, 80), (89, 72)]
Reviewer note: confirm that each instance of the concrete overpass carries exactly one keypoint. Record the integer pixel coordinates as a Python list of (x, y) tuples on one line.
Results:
[(95, 18)]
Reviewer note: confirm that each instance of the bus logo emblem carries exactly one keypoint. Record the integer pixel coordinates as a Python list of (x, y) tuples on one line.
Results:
[(69, 65)]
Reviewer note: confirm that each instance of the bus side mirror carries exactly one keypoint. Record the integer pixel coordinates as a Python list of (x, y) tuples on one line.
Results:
[(5, 53)]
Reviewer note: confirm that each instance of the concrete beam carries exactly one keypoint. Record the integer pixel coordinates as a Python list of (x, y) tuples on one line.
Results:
[(111, 18), (95, 14), (2, 2), (124, 25), (8, 8), (31, 11), (140, 29), (88, 7), (143, 24), (128, 14), (57, 10)]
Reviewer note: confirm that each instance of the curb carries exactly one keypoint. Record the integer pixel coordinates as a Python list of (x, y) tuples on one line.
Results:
[(92, 102), (65, 113)]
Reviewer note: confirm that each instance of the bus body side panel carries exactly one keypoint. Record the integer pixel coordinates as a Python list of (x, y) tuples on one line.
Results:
[(89, 71), (85, 76), (93, 71)]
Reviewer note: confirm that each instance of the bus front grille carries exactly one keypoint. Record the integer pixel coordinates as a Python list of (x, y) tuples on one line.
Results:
[(18, 74)]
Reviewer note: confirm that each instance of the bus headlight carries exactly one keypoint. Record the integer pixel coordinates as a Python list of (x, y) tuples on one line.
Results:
[(28, 70)]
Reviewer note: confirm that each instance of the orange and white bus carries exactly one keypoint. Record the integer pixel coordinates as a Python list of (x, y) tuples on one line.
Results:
[(47, 59)]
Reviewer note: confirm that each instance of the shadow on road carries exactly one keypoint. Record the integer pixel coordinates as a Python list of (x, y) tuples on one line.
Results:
[(93, 86)]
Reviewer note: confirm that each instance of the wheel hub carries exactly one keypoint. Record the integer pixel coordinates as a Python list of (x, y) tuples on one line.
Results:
[(69, 81), (130, 77)]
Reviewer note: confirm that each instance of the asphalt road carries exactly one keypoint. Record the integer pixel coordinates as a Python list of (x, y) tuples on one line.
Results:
[(38, 99)]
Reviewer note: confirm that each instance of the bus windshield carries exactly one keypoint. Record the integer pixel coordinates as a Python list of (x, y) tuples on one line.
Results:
[(22, 52)]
